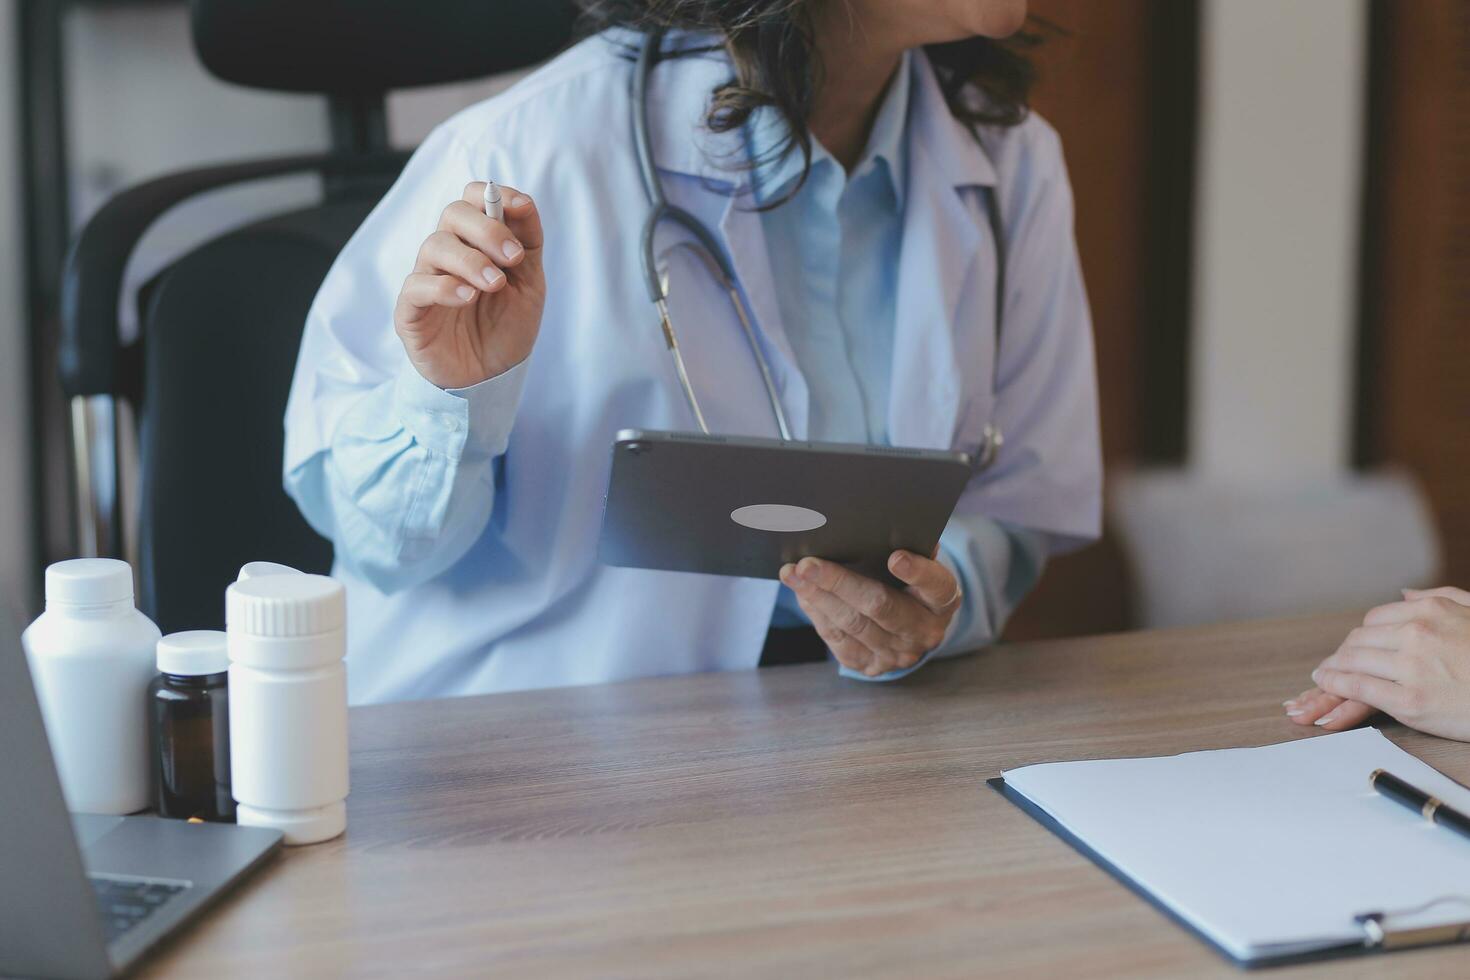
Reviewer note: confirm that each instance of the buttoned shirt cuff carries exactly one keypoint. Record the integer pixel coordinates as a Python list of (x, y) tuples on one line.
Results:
[(893, 675), (459, 422)]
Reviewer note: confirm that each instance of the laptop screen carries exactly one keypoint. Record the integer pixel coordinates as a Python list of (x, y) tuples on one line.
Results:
[(48, 916)]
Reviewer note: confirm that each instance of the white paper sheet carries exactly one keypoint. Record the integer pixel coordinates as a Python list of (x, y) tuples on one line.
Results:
[(1271, 850)]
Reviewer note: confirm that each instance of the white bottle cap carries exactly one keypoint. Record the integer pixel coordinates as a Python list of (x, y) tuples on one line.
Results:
[(255, 569), (193, 653), (89, 582), (286, 605)]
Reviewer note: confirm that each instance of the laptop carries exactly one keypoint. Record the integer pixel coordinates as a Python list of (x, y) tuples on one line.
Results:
[(86, 896)]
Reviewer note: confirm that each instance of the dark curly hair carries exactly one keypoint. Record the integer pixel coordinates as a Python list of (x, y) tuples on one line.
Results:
[(772, 45)]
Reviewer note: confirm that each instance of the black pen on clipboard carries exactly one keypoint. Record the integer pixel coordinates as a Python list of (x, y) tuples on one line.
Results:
[(1430, 807)]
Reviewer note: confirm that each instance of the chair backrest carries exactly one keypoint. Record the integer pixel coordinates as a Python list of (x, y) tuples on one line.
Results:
[(220, 327), (367, 47), (223, 325)]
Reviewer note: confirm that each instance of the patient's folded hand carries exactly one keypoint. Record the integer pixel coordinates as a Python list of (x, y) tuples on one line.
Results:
[(1409, 659), (1315, 706)]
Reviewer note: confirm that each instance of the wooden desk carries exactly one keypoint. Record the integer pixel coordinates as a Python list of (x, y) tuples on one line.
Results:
[(775, 823)]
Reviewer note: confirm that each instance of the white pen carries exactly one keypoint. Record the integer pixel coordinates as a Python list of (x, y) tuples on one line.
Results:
[(493, 207)]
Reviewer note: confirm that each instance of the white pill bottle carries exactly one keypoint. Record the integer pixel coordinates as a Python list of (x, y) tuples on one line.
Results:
[(287, 636), (91, 655)]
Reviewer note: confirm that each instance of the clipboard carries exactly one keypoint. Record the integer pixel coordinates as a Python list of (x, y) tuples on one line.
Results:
[(1378, 934)]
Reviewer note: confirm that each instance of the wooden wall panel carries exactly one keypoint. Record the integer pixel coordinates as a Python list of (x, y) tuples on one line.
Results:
[(1415, 359), (1118, 86)]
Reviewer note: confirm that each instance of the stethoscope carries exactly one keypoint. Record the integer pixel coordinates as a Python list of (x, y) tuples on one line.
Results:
[(708, 250)]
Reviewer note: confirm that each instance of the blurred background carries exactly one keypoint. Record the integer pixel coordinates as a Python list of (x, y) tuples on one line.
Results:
[(1273, 213)]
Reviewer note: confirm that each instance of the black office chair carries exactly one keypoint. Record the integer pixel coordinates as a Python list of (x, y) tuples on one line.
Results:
[(219, 327)]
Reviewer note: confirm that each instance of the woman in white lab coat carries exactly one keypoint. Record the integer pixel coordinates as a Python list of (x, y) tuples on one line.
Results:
[(461, 379)]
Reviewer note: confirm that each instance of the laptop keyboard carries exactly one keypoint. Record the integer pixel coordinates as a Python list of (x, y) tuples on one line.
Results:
[(125, 902)]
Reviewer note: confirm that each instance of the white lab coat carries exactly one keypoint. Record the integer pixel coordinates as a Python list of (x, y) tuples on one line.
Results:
[(525, 603)]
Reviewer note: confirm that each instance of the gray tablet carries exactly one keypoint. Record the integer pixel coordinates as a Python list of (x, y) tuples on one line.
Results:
[(726, 505)]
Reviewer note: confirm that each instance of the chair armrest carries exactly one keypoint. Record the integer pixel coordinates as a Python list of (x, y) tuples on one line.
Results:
[(93, 276)]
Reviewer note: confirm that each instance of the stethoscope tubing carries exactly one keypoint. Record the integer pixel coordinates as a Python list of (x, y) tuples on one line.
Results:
[(709, 250)]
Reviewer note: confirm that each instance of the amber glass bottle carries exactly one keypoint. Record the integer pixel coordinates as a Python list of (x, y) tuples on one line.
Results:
[(190, 713)]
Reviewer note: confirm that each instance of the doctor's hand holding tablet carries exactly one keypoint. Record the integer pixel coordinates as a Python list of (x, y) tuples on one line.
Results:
[(868, 625)]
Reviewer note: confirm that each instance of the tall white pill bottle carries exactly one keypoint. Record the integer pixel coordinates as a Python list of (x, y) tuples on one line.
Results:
[(287, 637)]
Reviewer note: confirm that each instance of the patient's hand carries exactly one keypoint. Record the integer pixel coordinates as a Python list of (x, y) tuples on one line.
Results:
[(1410, 659), (1331, 713), (871, 627)]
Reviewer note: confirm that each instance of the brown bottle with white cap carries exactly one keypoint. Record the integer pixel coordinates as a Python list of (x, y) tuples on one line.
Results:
[(190, 708)]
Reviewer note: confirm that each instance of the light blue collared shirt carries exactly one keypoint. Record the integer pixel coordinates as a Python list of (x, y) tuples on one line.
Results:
[(834, 253)]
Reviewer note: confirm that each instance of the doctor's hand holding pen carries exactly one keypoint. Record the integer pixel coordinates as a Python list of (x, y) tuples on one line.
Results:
[(471, 308), (1409, 659)]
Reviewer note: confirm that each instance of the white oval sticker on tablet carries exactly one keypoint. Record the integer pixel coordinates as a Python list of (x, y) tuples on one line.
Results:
[(778, 517)]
